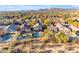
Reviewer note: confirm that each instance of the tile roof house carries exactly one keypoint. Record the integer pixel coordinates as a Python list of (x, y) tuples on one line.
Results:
[(63, 28), (25, 27), (74, 28)]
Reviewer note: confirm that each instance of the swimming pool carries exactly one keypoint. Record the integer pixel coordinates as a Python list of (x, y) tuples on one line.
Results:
[(5, 37)]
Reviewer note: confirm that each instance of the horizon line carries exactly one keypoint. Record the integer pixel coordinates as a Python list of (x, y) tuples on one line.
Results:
[(35, 7)]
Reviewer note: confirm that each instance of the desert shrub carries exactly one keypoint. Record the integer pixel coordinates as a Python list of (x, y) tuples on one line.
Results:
[(61, 37)]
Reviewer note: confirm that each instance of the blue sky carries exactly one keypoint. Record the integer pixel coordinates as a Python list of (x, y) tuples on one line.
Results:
[(34, 7)]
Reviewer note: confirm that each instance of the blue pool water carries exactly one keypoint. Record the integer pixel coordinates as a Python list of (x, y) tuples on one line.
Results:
[(5, 37)]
